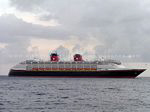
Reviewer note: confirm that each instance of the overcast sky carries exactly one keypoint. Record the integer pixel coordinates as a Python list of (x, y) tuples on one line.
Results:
[(89, 27)]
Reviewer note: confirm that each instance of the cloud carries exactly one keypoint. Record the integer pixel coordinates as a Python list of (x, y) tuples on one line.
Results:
[(121, 26), (26, 5), (12, 26), (15, 32), (63, 52), (118, 27), (16, 36)]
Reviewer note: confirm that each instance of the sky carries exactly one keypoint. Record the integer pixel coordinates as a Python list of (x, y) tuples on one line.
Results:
[(113, 28)]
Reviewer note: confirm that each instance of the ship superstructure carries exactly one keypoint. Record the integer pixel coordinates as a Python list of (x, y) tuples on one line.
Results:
[(77, 68)]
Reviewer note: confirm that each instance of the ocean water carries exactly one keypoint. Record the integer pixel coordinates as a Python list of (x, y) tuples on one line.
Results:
[(74, 95)]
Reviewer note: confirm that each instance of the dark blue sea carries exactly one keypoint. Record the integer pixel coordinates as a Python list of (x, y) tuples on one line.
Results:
[(74, 95)]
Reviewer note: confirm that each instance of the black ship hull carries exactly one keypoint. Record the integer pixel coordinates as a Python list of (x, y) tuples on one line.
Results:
[(130, 73)]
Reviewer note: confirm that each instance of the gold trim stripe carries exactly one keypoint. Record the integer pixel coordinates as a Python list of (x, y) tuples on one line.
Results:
[(64, 69)]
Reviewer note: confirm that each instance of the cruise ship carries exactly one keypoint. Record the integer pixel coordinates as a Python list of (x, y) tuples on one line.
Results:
[(78, 68)]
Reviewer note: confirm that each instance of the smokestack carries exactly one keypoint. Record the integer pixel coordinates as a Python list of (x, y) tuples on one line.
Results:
[(54, 57), (78, 57)]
